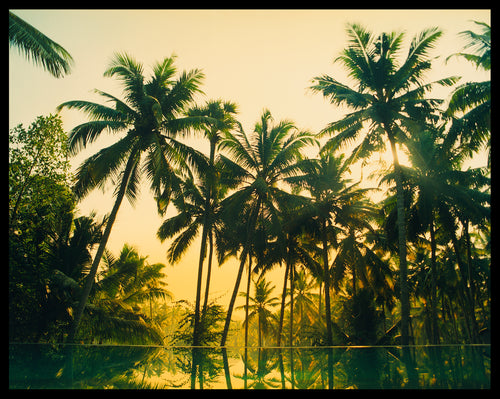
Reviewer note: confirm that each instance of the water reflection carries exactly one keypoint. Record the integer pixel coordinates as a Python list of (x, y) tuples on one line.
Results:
[(100, 366)]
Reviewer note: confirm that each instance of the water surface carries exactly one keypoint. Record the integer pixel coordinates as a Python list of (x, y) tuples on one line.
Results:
[(44, 366)]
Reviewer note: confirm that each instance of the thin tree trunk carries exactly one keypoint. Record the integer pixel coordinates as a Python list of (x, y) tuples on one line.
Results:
[(283, 300), (326, 278), (204, 235), (403, 267), (102, 246), (196, 333), (247, 297), (435, 331), (470, 280), (291, 304), (209, 271), (246, 250)]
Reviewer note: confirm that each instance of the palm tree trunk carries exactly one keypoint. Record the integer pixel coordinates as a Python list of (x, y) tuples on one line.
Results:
[(250, 230), (283, 300), (403, 267), (291, 304), (470, 280), (248, 297), (196, 334), (435, 332), (326, 279), (132, 161), (204, 235), (209, 271)]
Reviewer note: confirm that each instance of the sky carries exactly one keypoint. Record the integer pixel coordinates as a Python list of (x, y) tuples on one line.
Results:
[(256, 58)]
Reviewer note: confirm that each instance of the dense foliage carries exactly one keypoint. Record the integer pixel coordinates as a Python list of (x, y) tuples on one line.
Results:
[(411, 268)]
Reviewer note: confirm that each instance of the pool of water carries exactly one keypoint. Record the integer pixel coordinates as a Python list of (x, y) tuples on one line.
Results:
[(44, 366)]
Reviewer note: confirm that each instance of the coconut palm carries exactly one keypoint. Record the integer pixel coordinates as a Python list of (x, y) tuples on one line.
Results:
[(124, 290), (222, 114), (192, 205), (151, 116), (305, 301), (259, 163), (389, 102), (470, 103), (333, 203), (436, 185), (38, 47), (261, 308)]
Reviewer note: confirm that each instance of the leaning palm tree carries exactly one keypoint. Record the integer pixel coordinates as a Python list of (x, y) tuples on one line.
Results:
[(389, 103), (152, 116), (259, 163), (38, 47)]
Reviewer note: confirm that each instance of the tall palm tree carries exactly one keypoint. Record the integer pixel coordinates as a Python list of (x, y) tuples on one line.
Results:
[(305, 301), (332, 202), (222, 114), (38, 47), (151, 115), (259, 163), (435, 184), (389, 102), (191, 203)]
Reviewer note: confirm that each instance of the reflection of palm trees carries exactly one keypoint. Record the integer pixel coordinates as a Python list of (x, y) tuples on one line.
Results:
[(261, 363)]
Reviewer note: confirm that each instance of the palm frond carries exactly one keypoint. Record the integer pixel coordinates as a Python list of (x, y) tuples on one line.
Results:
[(183, 241), (38, 47), (98, 168), (182, 91), (339, 93), (86, 133), (130, 72), (163, 71)]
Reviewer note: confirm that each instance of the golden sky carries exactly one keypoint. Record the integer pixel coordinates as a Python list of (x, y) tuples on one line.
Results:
[(256, 58)]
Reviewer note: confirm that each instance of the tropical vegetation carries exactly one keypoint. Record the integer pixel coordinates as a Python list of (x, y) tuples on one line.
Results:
[(404, 262)]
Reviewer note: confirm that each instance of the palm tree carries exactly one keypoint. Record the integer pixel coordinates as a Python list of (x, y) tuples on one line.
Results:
[(151, 115), (262, 302), (191, 203), (435, 185), (124, 290), (388, 95), (304, 300), (259, 163), (222, 114), (470, 103), (332, 202), (38, 47)]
